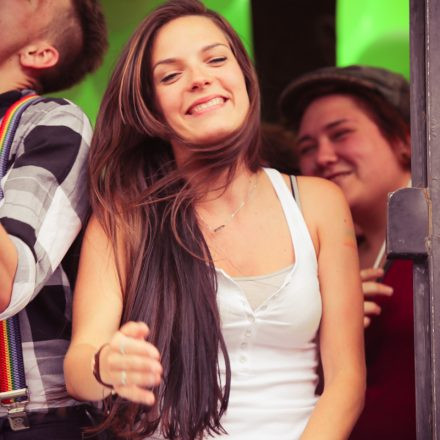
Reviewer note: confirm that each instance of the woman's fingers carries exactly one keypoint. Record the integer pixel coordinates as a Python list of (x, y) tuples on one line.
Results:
[(129, 345), (371, 308), (371, 288), (131, 361), (371, 273), (138, 330), (136, 394), (123, 378), (134, 363)]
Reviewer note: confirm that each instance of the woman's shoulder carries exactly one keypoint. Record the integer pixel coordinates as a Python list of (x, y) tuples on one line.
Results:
[(316, 188), (318, 184), (321, 200)]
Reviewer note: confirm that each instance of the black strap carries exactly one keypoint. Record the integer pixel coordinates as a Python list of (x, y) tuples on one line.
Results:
[(295, 190)]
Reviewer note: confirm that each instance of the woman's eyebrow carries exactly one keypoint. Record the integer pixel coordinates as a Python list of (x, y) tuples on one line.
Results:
[(329, 126), (336, 123), (168, 61)]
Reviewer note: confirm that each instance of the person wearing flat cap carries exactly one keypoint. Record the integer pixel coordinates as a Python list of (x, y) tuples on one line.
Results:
[(352, 127)]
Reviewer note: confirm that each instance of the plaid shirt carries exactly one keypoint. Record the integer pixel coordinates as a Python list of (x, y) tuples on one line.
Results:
[(44, 208)]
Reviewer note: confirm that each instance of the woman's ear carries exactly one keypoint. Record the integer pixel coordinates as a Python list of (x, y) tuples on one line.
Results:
[(40, 55), (403, 151)]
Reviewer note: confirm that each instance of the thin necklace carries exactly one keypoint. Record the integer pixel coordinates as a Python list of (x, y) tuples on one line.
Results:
[(233, 214)]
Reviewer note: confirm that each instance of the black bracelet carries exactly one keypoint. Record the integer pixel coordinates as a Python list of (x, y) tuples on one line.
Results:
[(96, 372)]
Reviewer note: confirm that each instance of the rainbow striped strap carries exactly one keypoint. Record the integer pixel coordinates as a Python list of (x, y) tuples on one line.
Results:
[(13, 390), (8, 128), (12, 377)]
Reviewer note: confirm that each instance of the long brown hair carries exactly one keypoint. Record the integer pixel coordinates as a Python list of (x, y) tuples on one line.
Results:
[(145, 203)]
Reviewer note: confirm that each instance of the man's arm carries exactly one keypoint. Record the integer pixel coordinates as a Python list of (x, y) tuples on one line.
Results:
[(45, 198)]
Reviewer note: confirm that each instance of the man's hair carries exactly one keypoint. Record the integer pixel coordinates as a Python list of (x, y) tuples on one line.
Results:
[(79, 33)]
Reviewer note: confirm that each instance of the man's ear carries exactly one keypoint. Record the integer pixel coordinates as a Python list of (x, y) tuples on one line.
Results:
[(40, 55)]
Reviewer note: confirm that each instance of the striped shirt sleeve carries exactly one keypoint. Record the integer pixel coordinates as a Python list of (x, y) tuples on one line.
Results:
[(45, 193)]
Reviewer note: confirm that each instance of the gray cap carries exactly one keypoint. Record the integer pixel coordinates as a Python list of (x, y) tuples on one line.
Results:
[(392, 87)]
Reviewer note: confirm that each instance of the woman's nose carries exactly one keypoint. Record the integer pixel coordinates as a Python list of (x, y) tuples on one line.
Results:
[(326, 154), (199, 79)]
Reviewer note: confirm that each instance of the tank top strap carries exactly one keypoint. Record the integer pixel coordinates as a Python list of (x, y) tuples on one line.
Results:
[(299, 232)]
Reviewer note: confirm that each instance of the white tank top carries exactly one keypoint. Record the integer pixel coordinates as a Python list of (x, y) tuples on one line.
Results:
[(258, 288), (272, 349)]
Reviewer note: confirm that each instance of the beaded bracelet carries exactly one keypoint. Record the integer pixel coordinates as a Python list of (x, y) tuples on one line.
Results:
[(96, 372)]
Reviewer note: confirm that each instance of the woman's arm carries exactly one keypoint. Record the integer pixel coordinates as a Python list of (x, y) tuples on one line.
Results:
[(341, 331), (127, 361)]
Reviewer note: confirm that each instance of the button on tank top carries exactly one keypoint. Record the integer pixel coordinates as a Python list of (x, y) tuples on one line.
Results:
[(273, 349)]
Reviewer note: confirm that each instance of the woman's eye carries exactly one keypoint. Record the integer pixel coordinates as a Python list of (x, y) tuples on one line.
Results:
[(217, 60), (341, 134), (169, 78), (306, 149)]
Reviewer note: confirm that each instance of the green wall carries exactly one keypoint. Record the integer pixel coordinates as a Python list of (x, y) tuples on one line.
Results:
[(373, 32)]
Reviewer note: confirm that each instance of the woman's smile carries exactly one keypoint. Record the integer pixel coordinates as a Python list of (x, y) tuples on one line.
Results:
[(199, 85), (204, 105)]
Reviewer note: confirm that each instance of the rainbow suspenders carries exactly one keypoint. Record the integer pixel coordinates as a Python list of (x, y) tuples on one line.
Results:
[(13, 389)]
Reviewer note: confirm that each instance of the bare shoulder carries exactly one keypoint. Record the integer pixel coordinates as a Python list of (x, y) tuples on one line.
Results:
[(317, 193), (321, 197), (318, 189), (323, 204)]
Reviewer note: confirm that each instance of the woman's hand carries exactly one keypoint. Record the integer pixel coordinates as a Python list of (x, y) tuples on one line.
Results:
[(131, 364), (371, 288)]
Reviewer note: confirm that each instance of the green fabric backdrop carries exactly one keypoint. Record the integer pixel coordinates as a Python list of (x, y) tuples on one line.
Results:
[(373, 32)]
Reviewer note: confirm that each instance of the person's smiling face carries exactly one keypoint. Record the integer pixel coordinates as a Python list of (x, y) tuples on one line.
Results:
[(339, 141), (199, 86)]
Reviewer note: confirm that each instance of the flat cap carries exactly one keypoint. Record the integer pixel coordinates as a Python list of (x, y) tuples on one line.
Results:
[(391, 86)]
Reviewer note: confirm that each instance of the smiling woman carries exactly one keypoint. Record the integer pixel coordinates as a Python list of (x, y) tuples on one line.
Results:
[(338, 140), (352, 128), (203, 289), (200, 87)]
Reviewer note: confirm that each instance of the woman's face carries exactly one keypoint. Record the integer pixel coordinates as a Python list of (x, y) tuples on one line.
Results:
[(198, 83), (339, 141)]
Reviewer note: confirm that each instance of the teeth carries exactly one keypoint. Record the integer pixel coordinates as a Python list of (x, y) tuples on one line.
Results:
[(206, 105)]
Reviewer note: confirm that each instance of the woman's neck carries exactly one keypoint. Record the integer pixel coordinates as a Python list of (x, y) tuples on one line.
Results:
[(221, 200)]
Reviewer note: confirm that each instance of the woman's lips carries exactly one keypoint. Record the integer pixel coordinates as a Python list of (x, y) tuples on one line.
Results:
[(337, 175), (202, 106)]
